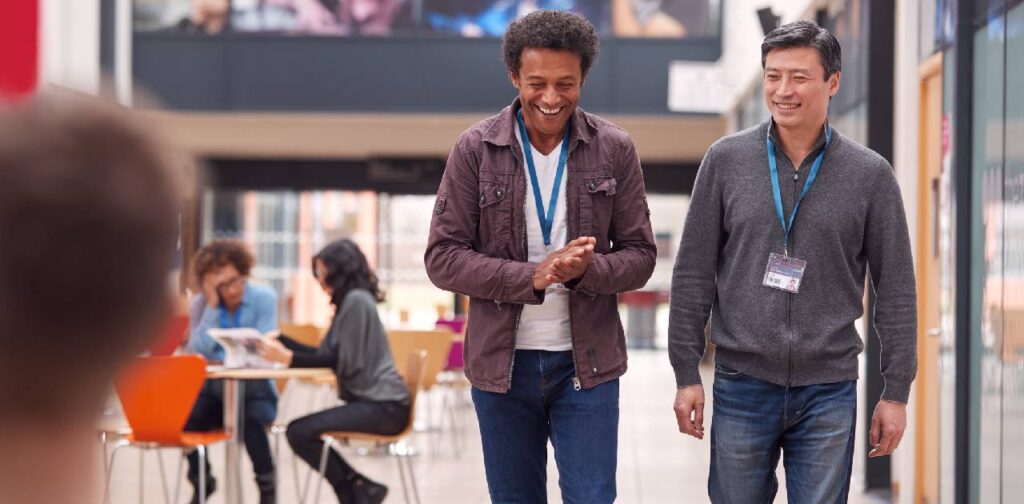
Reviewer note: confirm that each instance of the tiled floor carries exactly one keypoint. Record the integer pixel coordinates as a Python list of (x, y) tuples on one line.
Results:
[(656, 463)]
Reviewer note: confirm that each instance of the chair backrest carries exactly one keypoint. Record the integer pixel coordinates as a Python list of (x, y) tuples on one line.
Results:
[(415, 366), (171, 337), (157, 394), (307, 334), (436, 342)]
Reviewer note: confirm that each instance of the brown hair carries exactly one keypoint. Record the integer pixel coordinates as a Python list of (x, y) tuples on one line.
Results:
[(220, 253), (89, 204)]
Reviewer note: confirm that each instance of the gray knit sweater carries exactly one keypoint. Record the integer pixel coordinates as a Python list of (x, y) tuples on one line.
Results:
[(851, 218)]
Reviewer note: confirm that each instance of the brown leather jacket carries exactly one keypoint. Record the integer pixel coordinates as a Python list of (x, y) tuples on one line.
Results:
[(477, 244)]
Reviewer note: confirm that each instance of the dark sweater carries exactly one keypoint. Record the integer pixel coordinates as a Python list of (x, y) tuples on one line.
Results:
[(356, 346), (851, 218)]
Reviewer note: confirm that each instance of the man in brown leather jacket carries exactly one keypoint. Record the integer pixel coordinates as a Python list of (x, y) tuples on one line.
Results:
[(542, 235)]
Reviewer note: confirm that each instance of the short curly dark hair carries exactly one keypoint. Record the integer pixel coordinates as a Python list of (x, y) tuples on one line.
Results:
[(550, 29), (220, 253)]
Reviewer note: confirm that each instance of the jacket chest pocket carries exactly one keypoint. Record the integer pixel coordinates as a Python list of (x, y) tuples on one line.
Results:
[(495, 228), (597, 195)]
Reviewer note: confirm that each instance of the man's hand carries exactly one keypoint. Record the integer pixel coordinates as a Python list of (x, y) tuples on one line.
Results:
[(210, 283), (887, 426), (689, 407), (565, 264)]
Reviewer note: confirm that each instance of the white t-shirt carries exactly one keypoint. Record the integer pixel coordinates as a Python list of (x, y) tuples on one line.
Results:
[(545, 326)]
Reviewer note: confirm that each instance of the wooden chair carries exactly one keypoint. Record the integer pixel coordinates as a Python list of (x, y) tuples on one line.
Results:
[(438, 344), (415, 367), (157, 395)]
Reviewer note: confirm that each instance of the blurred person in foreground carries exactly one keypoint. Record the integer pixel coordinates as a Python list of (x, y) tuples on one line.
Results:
[(542, 219), (356, 347), (226, 300), (89, 202), (787, 221)]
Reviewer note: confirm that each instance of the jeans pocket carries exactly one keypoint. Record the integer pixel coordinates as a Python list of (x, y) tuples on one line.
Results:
[(725, 371)]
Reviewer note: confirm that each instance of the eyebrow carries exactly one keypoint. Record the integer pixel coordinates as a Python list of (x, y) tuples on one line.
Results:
[(793, 70), (538, 77)]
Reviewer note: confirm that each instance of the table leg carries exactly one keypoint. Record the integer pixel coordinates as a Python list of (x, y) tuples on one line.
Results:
[(234, 391)]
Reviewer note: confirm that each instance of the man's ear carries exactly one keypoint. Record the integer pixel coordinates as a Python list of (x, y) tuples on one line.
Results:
[(833, 84), (514, 79)]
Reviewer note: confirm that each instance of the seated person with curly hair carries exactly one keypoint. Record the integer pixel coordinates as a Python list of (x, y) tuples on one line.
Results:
[(228, 300)]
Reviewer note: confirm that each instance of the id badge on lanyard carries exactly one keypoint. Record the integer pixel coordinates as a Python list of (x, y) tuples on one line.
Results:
[(783, 271)]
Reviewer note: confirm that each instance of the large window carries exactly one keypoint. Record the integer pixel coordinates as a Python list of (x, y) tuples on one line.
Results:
[(997, 269), (286, 228)]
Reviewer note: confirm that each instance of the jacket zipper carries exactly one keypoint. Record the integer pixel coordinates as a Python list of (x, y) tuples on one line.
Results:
[(572, 330), (572, 342), (789, 311), (526, 254)]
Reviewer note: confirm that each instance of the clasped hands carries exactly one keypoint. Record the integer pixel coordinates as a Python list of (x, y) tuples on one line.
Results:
[(567, 263)]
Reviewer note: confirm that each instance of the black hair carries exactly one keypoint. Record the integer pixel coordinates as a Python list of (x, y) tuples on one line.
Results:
[(550, 29), (347, 269), (805, 34)]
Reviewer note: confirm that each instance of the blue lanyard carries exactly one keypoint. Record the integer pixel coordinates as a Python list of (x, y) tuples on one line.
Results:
[(774, 169), (546, 219), (228, 323)]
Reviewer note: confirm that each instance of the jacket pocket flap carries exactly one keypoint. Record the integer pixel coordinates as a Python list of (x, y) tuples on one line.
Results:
[(601, 184), (491, 193)]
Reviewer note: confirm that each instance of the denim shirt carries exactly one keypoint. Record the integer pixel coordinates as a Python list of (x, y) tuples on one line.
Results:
[(258, 310)]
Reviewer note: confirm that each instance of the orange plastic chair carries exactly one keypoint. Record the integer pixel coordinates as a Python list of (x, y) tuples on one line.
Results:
[(171, 337), (157, 395)]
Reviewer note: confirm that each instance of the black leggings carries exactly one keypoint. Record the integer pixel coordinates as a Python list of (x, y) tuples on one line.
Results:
[(259, 411), (361, 416)]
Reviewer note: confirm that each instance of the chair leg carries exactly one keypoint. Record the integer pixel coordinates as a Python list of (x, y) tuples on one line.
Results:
[(177, 477), (110, 471), (305, 488), (277, 447), (142, 472), (163, 476), (412, 479), (323, 467), (202, 473), (401, 474), (103, 453), (456, 426), (299, 493)]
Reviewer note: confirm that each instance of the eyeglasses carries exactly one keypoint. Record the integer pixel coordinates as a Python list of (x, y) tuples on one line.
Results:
[(232, 283)]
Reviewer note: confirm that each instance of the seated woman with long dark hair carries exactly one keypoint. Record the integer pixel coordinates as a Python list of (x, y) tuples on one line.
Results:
[(356, 347)]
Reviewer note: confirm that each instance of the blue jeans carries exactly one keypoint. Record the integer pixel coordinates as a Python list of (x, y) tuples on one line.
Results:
[(583, 426), (755, 421)]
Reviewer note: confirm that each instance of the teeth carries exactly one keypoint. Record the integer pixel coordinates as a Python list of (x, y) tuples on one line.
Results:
[(550, 111), (786, 106)]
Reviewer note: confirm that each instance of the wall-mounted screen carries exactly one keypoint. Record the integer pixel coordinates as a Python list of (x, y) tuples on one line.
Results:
[(666, 19)]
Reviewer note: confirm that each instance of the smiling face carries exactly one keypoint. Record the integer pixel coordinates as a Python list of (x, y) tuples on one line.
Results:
[(549, 83), (795, 88)]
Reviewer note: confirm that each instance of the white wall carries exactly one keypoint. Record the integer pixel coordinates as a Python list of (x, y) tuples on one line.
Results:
[(905, 160), (69, 44)]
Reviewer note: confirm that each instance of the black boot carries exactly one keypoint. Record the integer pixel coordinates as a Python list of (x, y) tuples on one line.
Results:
[(365, 491), (267, 484), (211, 485)]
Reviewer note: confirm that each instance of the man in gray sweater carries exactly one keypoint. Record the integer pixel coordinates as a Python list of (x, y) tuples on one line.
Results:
[(786, 220)]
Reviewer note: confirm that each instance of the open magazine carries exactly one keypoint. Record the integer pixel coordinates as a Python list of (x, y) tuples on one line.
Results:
[(240, 348)]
